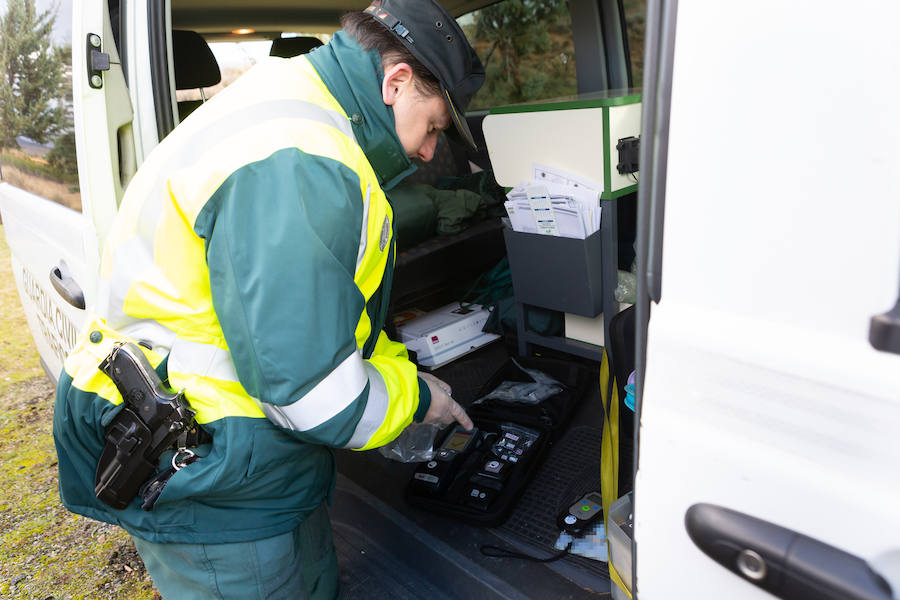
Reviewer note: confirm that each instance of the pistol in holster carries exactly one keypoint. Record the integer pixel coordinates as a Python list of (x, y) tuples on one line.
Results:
[(154, 418)]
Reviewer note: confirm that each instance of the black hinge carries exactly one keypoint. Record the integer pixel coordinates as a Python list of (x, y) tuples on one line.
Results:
[(884, 331), (629, 152), (97, 61)]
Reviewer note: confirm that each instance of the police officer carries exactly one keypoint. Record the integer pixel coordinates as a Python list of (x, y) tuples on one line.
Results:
[(251, 260)]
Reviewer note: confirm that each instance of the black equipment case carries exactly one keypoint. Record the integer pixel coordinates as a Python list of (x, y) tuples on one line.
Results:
[(478, 480)]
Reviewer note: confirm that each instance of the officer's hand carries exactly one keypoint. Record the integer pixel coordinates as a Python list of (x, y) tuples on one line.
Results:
[(443, 409)]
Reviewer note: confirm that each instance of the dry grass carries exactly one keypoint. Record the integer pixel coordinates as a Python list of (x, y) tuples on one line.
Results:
[(46, 188), (46, 551)]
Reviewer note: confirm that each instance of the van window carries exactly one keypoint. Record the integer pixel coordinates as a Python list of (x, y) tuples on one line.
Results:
[(635, 13), (37, 138), (234, 59), (527, 49)]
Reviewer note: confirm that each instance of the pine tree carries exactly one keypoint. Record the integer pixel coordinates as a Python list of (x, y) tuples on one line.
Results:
[(32, 82)]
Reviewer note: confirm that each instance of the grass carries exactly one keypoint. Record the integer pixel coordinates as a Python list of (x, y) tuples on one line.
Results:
[(35, 165), (45, 551), (37, 183)]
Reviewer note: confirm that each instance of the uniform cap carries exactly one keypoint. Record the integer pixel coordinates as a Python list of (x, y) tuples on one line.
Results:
[(436, 40)]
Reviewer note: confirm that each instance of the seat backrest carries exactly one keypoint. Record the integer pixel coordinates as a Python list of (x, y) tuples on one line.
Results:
[(195, 67), (293, 46)]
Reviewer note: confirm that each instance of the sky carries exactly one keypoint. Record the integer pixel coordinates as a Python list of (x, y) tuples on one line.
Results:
[(62, 32)]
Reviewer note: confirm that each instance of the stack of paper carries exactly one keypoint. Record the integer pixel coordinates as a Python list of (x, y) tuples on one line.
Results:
[(554, 202)]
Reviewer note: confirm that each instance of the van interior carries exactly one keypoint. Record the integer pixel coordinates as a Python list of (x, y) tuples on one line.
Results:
[(540, 57)]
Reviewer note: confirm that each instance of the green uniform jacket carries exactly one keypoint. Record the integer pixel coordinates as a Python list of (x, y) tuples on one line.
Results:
[(253, 254)]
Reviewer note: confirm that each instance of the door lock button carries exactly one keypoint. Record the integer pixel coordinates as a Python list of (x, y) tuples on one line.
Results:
[(751, 565)]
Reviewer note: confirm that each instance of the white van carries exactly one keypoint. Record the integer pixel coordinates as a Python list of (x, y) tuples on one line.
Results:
[(767, 234)]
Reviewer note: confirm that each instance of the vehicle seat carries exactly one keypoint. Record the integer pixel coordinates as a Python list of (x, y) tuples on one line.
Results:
[(293, 46), (195, 68)]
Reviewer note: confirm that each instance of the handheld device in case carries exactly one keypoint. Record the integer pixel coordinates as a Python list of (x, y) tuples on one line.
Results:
[(478, 476), (435, 475)]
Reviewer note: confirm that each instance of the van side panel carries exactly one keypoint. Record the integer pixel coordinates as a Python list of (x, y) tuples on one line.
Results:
[(782, 240), (43, 235)]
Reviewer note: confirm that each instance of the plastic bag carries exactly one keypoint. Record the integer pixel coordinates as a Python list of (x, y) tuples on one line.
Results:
[(414, 444), (626, 287), (525, 392)]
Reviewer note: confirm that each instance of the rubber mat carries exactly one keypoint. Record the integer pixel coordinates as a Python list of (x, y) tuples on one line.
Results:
[(369, 573), (571, 470)]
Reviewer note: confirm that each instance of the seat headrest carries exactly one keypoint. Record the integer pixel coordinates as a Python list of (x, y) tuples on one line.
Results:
[(195, 65), (293, 46)]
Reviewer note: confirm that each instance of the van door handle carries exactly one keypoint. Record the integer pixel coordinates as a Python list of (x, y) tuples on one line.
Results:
[(63, 283), (785, 563)]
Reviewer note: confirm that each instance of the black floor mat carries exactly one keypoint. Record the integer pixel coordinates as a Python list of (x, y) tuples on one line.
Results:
[(369, 573), (571, 469)]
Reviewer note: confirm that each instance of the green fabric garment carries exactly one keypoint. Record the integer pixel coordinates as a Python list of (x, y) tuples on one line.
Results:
[(415, 215), (354, 78), (282, 236), (482, 183), (297, 565), (295, 276), (456, 209), (234, 494)]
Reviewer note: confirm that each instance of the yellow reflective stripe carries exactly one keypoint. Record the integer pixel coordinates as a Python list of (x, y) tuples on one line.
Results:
[(401, 385), (193, 186), (171, 205), (226, 149), (187, 356), (370, 268), (364, 233), (175, 289), (377, 404), (159, 337), (214, 399), (338, 390), (129, 261), (82, 362)]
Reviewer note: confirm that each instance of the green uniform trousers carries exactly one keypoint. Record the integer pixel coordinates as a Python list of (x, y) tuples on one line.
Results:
[(299, 564)]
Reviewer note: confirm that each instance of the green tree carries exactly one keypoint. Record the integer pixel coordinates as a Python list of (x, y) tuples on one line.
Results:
[(62, 157), (526, 47), (32, 75)]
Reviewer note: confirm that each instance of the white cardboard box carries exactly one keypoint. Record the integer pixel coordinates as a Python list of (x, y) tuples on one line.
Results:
[(446, 334)]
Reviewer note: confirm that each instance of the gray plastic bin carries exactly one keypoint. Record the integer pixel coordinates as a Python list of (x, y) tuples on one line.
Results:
[(556, 272)]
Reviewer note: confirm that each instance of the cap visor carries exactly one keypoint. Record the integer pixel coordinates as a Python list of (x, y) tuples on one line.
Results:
[(459, 120)]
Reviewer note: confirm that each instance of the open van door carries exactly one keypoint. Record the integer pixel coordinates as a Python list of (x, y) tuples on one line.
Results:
[(55, 249), (768, 441)]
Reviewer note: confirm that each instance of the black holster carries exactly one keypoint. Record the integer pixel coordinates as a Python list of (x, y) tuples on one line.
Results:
[(153, 420)]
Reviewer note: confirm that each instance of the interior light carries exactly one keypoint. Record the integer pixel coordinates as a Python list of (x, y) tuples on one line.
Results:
[(243, 31)]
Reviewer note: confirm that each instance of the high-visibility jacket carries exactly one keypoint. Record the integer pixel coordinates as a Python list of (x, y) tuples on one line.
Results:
[(253, 254)]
